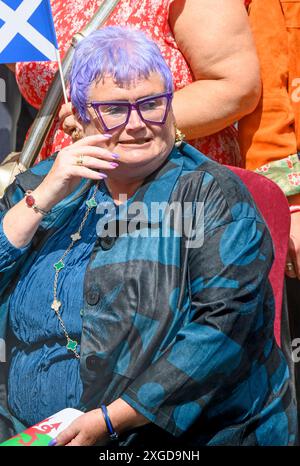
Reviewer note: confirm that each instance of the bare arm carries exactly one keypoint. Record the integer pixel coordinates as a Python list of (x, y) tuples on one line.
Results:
[(215, 38)]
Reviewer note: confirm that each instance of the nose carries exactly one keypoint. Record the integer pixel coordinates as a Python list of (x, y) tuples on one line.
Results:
[(135, 121)]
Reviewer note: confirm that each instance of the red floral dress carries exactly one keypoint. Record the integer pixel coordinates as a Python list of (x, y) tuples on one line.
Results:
[(70, 17)]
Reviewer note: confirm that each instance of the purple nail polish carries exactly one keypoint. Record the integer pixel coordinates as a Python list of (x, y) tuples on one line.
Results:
[(52, 443), (113, 164), (106, 135), (115, 156), (102, 175)]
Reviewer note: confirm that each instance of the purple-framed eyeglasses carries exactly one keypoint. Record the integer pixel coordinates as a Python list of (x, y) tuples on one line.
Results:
[(152, 109)]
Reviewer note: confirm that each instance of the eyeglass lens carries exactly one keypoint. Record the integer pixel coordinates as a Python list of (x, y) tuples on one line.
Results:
[(117, 114)]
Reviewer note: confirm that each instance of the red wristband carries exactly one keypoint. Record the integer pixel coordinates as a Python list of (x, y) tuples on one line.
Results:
[(30, 202)]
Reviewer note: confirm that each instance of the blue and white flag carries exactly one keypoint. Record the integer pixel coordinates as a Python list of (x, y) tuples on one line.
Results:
[(27, 31)]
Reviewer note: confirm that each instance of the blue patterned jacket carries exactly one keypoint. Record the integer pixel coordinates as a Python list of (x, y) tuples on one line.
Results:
[(183, 334)]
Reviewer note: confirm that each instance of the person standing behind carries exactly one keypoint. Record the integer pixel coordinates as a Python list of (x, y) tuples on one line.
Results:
[(216, 80)]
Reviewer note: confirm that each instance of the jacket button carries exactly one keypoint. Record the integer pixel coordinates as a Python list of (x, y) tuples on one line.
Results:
[(93, 297), (92, 363), (107, 242)]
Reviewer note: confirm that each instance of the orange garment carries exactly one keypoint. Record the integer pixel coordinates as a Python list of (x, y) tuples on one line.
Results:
[(272, 131)]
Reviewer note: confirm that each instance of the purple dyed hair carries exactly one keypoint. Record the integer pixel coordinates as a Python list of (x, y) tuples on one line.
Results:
[(125, 54)]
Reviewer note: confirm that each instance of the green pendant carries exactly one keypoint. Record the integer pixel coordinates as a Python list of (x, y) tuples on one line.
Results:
[(59, 265), (91, 203), (71, 345)]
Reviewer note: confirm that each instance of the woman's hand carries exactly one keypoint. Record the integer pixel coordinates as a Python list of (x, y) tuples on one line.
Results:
[(21, 223), (293, 256), (69, 123), (90, 428), (86, 430), (67, 172)]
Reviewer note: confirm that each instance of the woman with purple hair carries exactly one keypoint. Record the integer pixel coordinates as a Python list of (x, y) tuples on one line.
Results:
[(134, 277)]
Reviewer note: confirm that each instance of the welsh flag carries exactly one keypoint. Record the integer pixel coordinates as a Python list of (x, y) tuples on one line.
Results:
[(41, 434)]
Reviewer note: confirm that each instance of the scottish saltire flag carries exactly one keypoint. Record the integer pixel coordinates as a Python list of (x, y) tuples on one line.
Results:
[(26, 31)]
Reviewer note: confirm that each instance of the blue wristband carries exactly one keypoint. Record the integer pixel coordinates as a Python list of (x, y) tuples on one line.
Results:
[(111, 431)]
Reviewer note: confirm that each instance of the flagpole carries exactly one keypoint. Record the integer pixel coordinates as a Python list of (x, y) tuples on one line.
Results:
[(61, 75)]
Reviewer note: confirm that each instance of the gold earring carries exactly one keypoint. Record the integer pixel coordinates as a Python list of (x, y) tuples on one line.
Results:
[(179, 137), (76, 134)]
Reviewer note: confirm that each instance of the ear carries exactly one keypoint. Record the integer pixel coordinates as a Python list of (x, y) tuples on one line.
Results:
[(78, 127), (70, 122)]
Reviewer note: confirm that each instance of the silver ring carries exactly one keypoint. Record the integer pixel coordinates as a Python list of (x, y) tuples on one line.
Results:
[(289, 266)]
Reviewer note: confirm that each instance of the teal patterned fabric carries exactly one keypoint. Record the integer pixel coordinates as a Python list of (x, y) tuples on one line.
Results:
[(184, 335)]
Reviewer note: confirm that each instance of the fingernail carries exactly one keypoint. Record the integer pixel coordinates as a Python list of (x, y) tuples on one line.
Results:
[(115, 156), (113, 164), (52, 443), (102, 175), (106, 135)]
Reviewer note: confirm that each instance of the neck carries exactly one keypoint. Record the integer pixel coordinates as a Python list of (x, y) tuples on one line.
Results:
[(118, 190)]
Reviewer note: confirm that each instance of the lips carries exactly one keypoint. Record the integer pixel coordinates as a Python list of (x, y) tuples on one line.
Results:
[(135, 141)]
